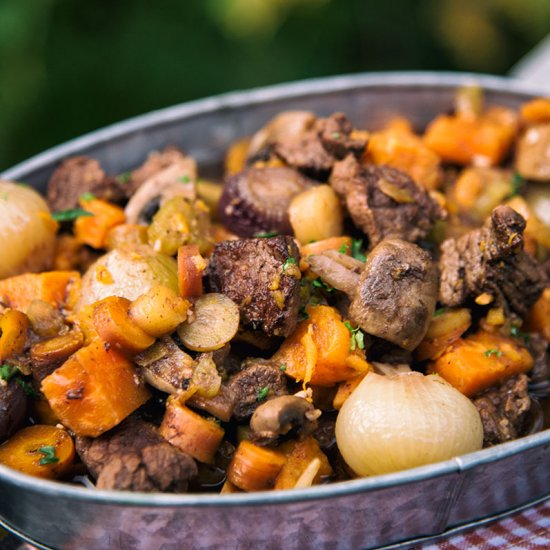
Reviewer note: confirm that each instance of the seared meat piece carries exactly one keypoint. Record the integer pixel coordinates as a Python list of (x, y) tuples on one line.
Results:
[(491, 260), (135, 457), (384, 202), (162, 177), (13, 408), (262, 277), (317, 149), (259, 379), (257, 199), (503, 410), (76, 176), (394, 297), (533, 153), (325, 432)]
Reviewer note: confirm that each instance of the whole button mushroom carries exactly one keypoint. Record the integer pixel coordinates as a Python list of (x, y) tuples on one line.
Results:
[(393, 296)]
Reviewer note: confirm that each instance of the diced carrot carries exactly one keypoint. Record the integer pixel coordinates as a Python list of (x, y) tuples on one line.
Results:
[(55, 287), (190, 432), (481, 360), (397, 146), (483, 141), (93, 230), (254, 468), (319, 350), (536, 111), (538, 319), (114, 325), (299, 455), (94, 390), (40, 451), (444, 329), (342, 244), (14, 331), (235, 159), (190, 267)]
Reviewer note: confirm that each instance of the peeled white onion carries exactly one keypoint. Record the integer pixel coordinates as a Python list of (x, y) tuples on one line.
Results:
[(401, 421), (27, 231)]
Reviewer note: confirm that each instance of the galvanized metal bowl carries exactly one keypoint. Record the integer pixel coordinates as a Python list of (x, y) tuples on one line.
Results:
[(355, 514)]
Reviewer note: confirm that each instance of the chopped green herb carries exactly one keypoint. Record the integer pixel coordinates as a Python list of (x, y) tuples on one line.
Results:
[(517, 183), (27, 387), (184, 179), (262, 394), (439, 311), (303, 313), (335, 135), (23, 184), (7, 372), (343, 249), (356, 252), (282, 368), (124, 178), (70, 215), (288, 262), (517, 334), (357, 337), (5, 196), (266, 235), (88, 196), (319, 283), (49, 455), (495, 352)]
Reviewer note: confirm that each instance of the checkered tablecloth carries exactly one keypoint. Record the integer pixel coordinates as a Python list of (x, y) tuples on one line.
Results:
[(529, 529)]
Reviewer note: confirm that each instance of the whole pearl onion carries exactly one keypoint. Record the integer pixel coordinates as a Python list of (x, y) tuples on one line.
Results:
[(401, 421), (27, 231)]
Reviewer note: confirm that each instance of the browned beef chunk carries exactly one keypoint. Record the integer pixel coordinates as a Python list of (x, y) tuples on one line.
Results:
[(491, 260), (503, 410), (13, 407), (135, 457), (259, 379), (533, 153), (315, 151), (76, 176), (325, 433), (384, 202), (256, 200), (261, 276)]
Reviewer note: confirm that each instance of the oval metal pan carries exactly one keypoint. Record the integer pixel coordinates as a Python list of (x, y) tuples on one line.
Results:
[(356, 514)]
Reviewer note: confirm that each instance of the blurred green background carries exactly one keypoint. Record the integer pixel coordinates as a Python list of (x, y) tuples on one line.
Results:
[(69, 67)]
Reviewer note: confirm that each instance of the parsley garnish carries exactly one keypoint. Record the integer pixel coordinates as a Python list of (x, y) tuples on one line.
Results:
[(88, 196), (518, 182), (335, 135), (27, 387), (343, 249), (303, 313), (357, 337), (70, 215), (516, 333), (439, 311), (124, 178), (356, 246), (262, 393), (7, 372), (495, 352), (288, 262), (5, 196), (319, 283), (184, 179), (49, 455), (282, 368), (266, 235)]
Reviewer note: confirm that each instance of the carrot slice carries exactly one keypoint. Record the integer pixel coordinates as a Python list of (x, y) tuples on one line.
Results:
[(93, 230), (190, 267)]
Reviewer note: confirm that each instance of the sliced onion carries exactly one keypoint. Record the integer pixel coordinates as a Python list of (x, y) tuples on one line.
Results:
[(401, 421)]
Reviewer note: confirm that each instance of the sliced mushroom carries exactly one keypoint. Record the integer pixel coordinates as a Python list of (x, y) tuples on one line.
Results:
[(176, 179), (394, 296), (279, 416)]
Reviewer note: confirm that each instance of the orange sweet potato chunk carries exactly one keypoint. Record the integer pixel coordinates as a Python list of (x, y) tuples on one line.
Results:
[(94, 390)]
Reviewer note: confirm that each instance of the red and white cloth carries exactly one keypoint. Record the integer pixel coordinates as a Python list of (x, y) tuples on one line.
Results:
[(529, 529)]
